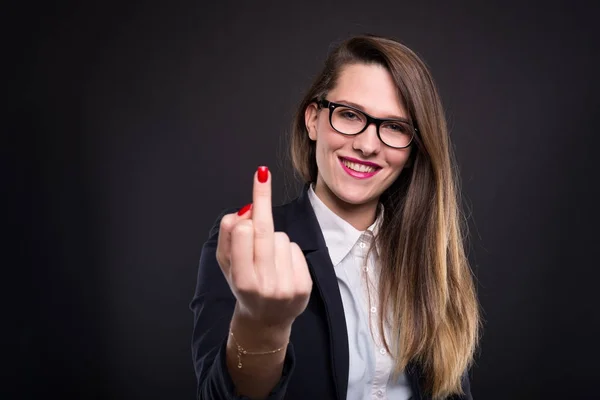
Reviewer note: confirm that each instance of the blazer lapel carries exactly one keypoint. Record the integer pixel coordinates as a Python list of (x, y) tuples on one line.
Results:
[(303, 228), (325, 281)]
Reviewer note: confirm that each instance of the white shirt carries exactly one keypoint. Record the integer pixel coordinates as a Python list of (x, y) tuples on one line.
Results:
[(370, 367)]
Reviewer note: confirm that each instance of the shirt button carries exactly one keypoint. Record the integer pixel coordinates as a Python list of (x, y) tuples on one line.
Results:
[(373, 310), (362, 245), (382, 351), (379, 393), (366, 269)]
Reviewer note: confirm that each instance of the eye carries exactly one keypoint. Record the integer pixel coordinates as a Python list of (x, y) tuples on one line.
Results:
[(349, 115), (397, 127)]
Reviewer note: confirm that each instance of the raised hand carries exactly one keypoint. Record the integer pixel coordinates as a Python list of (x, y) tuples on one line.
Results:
[(266, 272)]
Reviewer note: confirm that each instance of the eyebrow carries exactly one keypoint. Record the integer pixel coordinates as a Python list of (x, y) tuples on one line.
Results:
[(361, 108)]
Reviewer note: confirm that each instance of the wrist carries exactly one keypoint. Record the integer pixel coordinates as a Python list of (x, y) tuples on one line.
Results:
[(256, 335)]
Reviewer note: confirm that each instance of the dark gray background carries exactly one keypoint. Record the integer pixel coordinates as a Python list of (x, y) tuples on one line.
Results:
[(131, 126)]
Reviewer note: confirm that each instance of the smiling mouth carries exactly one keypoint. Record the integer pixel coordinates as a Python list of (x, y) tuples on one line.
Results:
[(359, 167)]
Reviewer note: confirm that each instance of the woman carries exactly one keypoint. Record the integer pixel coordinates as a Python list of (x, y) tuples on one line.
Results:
[(360, 287)]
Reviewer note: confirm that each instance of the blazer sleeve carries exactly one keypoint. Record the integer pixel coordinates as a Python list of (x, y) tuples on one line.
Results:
[(212, 306)]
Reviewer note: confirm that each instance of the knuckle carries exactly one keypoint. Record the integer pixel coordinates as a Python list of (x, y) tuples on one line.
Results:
[(227, 223), (281, 239), (306, 288), (267, 293), (242, 228), (283, 294), (220, 258), (294, 248), (262, 230), (245, 290), (242, 284)]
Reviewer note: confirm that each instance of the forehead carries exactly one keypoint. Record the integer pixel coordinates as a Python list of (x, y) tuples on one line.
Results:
[(372, 87)]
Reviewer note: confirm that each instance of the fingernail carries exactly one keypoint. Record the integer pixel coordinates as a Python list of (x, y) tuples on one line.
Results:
[(263, 174), (245, 209)]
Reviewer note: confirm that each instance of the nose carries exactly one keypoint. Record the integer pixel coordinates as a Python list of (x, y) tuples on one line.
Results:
[(367, 142)]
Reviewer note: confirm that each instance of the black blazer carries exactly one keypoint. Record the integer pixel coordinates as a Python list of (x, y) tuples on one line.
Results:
[(316, 364)]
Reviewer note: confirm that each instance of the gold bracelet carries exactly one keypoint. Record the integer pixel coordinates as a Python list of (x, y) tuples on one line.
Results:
[(241, 350)]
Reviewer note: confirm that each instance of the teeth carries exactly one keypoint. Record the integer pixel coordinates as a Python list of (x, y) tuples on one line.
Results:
[(358, 167)]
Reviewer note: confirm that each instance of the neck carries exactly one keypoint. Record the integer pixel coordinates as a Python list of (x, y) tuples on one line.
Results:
[(360, 216)]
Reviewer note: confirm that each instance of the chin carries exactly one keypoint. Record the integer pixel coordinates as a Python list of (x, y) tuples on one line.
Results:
[(353, 196)]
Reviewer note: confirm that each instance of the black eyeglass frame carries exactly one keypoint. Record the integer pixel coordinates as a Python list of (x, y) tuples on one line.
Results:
[(370, 120)]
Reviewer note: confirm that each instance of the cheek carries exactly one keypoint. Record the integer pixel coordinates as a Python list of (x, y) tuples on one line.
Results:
[(398, 159), (329, 140)]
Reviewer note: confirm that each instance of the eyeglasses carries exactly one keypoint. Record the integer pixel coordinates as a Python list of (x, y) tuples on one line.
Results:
[(351, 121)]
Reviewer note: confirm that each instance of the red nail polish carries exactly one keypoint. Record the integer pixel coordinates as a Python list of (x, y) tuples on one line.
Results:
[(245, 209), (263, 174)]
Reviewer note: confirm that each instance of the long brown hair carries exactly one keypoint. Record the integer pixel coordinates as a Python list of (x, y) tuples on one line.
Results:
[(427, 293)]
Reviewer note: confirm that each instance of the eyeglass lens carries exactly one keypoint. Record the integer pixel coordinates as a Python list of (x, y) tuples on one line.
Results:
[(351, 122)]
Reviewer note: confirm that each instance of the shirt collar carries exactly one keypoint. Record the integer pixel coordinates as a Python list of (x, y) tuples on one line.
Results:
[(340, 236)]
